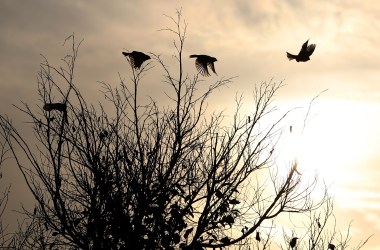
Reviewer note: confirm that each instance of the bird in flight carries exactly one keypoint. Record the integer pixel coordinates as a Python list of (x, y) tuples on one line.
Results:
[(204, 61), (304, 54), (137, 58)]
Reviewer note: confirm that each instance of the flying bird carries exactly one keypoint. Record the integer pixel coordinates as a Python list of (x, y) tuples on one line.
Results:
[(304, 54), (136, 58), (204, 61), (293, 242)]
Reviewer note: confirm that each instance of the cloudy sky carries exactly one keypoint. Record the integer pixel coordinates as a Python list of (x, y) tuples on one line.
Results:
[(249, 39)]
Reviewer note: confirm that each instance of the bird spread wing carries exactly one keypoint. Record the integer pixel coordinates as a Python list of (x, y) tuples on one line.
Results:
[(139, 58), (304, 46), (136, 58), (202, 67), (131, 59), (133, 62), (212, 67), (137, 61), (311, 48)]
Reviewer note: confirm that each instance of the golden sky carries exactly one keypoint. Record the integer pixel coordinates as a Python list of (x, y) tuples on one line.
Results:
[(249, 39)]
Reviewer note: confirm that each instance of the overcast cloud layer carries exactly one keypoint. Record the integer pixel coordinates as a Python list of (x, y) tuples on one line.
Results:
[(249, 39)]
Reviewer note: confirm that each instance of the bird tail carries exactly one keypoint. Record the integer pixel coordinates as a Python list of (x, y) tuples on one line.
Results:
[(291, 56), (193, 56)]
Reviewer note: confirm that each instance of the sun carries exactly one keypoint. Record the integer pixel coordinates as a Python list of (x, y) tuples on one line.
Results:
[(331, 142)]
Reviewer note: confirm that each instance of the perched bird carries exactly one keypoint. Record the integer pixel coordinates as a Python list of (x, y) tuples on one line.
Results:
[(103, 134), (304, 54), (204, 61), (136, 58), (62, 107), (55, 106), (293, 242), (331, 246), (258, 236)]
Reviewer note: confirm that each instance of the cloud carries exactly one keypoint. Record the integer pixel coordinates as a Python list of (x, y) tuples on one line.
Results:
[(249, 38)]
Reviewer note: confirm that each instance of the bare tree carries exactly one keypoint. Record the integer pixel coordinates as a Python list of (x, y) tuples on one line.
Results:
[(317, 230), (17, 238), (4, 196), (145, 177)]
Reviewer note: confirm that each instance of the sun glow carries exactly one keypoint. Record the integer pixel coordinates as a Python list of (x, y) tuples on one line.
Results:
[(332, 141)]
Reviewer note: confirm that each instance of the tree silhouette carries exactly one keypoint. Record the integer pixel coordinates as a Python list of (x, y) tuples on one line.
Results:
[(145, 177), (5, 238)]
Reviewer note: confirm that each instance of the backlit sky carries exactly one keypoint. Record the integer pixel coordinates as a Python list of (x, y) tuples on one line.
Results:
[(249, 39)]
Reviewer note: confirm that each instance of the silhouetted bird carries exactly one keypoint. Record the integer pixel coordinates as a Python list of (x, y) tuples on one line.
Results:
[(293, 242), (258, 236), (304, 54), (331, 246), (137, 58), (103, 134), (57, 106), (202, 62)]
